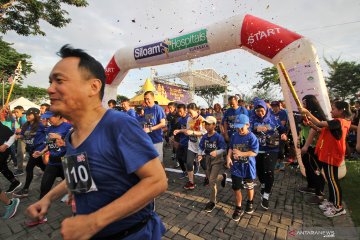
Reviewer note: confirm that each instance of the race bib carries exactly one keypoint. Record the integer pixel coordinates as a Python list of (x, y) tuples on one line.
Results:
[(77, 173)]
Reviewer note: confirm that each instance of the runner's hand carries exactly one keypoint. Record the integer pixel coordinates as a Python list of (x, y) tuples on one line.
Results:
[(36, 154), (229, 163), (213, 154), (38, 210), (199, 158), (78, 227)]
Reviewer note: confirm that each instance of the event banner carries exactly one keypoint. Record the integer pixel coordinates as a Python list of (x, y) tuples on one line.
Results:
[(264, 37), (173, 93), (172, 47)]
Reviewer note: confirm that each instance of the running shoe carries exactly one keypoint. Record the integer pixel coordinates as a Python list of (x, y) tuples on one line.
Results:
[(10, 209), (325, 205), (209, 207), (183, 175), (333, 212), (14, 186), (18, 172), (249, 209), (189, 185), (265, 203), (33, 223), (22, 193), (238, 212)]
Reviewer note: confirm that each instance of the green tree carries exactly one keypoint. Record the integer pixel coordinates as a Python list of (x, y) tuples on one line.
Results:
[(34, 94), (119, 98), (269, 77), (9, 59), (210, 93), (23, 16), (344, 79)]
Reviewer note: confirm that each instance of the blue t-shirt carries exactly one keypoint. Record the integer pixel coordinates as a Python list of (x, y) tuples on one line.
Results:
[(229, 117), (215, 142), (116, 148), (268, 140), (280, 116), (153, 115), (141, 120), (35, 141), (244, 143), (184, 139), (54, 150), (131, 112)]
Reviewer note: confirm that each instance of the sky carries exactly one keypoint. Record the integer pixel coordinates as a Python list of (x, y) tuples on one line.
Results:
[(103, 27)]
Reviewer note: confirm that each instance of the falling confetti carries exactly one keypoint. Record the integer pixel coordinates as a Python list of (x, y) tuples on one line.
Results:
[(181, 31), (133, 20), (267, 7)]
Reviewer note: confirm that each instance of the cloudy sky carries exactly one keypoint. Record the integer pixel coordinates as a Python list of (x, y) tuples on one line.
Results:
[(333, 26)]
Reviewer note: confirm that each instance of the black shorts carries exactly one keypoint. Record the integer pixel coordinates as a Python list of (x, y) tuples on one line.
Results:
[(242, 183)]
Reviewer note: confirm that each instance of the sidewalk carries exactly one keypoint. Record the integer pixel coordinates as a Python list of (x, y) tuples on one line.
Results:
[(182, 213)]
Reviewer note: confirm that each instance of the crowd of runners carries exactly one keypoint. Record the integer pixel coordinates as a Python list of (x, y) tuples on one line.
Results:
[(112, 160)]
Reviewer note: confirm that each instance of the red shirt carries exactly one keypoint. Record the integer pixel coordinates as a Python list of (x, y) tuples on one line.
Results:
[(331, 149)]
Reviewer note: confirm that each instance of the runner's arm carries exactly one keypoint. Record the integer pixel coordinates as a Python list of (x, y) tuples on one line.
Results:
[(152, 183), (160, 125)]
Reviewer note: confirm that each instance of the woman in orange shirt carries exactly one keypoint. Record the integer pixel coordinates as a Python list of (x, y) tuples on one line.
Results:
[(330, 149)]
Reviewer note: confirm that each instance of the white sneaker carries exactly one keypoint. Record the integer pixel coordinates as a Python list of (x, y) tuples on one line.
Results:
[(333, 212), (325, 205)]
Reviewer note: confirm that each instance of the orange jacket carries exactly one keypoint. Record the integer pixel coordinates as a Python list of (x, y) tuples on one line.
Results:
[(330, 150)]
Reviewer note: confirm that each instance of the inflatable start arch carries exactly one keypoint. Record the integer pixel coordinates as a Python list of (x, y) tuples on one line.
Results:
[(264, 39)]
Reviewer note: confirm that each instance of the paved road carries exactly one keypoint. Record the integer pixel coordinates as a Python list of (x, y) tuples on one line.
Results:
[(182, 213)]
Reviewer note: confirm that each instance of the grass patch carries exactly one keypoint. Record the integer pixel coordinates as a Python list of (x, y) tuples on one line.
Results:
[(350, 187)]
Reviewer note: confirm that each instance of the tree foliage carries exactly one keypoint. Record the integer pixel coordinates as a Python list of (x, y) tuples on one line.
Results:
[(344, 79), (24, 16), (9, 59), (269, 77), (34, 94), (209, 94)]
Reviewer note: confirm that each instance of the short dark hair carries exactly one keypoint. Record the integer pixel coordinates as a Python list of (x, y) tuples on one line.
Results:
[(93, 68), (112, 101), (171, 104), (21, 108), (192, 106), (181, 105), (45, 105), (149, 92), (125, 100), (231, 98)]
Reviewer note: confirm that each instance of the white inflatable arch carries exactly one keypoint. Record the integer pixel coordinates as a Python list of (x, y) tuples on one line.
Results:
[(264, 39)]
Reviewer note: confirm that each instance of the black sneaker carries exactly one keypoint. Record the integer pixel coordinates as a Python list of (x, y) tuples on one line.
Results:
[(265, 203), (249, 207), (223, 181), (307, 190), (262, 190), (13, 186), (206, 181), (209, 207), (22, 193), (18, 172), (237, 214)]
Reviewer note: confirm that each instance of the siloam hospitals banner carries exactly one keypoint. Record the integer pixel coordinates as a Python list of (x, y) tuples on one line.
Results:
[(195, 41)]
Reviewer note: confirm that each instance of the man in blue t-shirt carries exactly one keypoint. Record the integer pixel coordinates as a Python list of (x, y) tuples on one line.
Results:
[(111, 166), (155, 121), (230, 115), (126, 108)]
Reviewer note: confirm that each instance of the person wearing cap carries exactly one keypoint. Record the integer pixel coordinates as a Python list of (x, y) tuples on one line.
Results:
[(211, 149), (55, 136), (243, 148), (33, 134), (281, 116), (269, 132)]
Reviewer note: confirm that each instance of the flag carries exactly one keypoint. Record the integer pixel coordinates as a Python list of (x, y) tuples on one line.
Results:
[(10, 79)]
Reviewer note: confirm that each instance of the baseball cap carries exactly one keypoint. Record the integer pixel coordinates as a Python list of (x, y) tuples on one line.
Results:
[(241, 120), (210, 120), (275, 103), (34, 111), (47, 114)]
